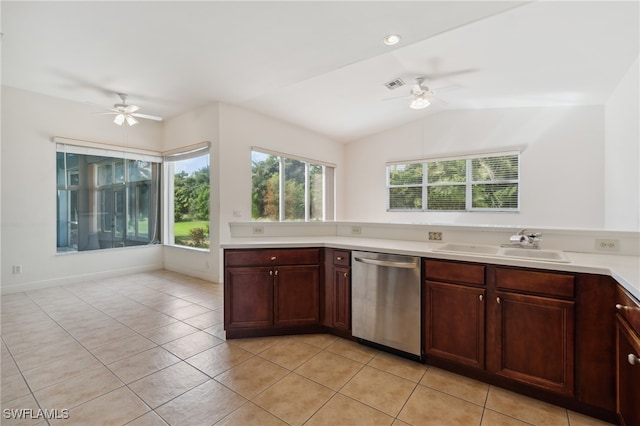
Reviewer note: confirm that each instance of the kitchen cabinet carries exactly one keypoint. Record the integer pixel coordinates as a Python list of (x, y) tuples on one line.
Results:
[(454, 317), (532, 327), (248, 297), (337, 290), (269, 291), (509, 323), (595, 344), (627, 360)]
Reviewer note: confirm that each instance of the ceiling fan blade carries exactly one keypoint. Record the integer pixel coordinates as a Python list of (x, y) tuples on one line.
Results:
[(147, 116), (131, 121), (130, 109), (397, 97), (119, 119), (442, 75)]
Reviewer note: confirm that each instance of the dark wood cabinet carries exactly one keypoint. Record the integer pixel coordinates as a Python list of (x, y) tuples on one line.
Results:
[(547, 334), (627, 360), (270, 291), (532, 328), (337, 290), (454, 317), (296, 295), (248, 297), (508, 323), (535, 341), (595, 344)]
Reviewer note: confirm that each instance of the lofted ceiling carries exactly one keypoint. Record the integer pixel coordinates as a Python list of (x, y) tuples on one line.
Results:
[(320, 65)]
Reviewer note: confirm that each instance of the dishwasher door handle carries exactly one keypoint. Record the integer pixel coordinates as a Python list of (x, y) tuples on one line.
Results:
[(387, 263)]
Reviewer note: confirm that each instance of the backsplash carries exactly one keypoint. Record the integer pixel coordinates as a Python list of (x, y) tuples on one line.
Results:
[(573, 240)]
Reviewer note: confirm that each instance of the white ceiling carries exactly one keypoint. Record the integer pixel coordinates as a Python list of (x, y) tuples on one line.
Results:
[(320, 65)]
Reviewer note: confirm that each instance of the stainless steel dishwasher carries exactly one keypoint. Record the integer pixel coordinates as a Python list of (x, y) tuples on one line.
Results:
[(385, 300)]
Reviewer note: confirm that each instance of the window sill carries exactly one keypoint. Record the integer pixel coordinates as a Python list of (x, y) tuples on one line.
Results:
[(198, 249)]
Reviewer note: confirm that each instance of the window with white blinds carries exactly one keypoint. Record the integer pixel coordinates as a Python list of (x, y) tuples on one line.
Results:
[(473, 183)]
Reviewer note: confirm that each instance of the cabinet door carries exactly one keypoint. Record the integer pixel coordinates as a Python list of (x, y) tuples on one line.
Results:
[(341, 298), (248, 297), (297, 295), (534, 339), (627, 374), (454, 323)]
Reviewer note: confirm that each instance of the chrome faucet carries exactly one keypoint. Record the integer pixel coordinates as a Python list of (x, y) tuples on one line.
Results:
[(524, 239)]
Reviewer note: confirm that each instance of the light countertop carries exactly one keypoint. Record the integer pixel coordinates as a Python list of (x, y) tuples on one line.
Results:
[(624, 269)]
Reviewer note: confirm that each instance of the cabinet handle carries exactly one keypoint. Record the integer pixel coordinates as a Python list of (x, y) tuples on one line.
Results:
[(276, 272), (273, 258), (481, 298), (270, 272), (339, 258), (627, 308), (633, 360), (346, 275), (498, 300)]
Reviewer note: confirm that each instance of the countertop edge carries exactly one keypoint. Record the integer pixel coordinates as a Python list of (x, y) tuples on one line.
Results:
[(623, 269)]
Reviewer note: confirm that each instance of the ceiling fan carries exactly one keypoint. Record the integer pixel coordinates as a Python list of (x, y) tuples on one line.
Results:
[(421, 95), (128, 113)]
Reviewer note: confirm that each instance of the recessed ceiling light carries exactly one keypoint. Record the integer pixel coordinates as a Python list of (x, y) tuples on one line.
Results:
[(391, 39)]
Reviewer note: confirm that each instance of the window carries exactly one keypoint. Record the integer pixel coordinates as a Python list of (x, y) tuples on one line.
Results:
[(290, 189), (105, 198), (188, 195), (478, 183)]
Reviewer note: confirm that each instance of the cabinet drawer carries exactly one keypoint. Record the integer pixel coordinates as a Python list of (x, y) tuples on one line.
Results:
[(270, 257), (628, 308), (341, 257), (535, 282), (468, 273)]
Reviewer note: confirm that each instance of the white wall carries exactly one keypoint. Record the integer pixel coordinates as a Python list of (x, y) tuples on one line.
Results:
[(29, 121), (241, 129), (28, 182), (622, 154), (198, 125), (233, 131), (562, 170)]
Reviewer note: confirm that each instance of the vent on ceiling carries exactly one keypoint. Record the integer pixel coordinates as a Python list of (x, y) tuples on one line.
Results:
[(394, 84)]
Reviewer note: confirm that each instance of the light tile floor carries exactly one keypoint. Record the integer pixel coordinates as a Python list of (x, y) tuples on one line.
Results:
[(149, 349)]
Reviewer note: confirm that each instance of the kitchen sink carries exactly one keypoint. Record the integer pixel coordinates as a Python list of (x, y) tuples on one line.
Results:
[(547, 255), (521, 253), (469, 248)]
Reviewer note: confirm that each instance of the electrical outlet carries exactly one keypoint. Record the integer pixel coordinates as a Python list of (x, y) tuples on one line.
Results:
[(258, 230), (17, 269), (435, 236), (607, 245), (356, 230)]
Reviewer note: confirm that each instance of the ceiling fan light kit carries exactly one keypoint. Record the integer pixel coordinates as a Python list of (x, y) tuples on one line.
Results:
[(128, 113), (120, 119), (419, 101)]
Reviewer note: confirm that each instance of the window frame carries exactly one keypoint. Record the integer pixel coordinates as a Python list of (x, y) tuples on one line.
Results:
[(328, 186), (169, 160), (468, 183), (98, 186)]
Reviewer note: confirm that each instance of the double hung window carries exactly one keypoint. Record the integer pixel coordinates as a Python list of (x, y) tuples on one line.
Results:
[(473, 183)]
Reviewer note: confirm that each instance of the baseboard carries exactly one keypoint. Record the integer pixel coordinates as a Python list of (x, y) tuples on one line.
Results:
[(194, 273), (74, 279)]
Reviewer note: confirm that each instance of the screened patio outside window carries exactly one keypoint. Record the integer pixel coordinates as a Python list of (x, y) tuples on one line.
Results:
[(106, 199)]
